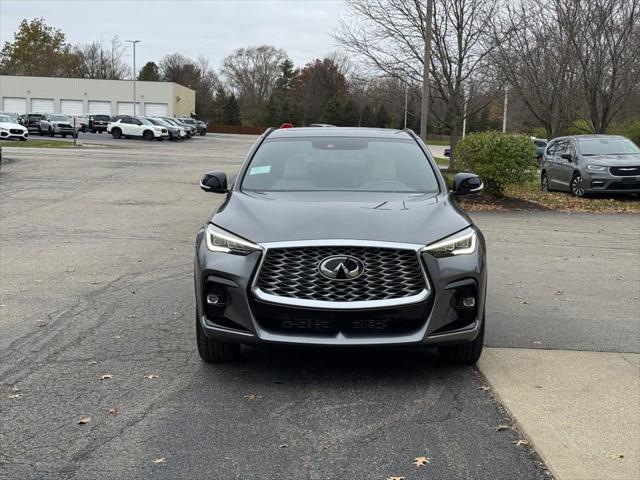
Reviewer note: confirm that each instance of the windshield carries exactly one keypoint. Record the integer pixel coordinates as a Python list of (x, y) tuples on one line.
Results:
[(187, 120), (5, 119), (340, 164), (144, 121), (170, 121), (607, 146), (59, 118)]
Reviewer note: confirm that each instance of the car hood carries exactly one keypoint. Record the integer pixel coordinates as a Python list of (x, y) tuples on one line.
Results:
[(613, 160), (291, 216), (11, 125)]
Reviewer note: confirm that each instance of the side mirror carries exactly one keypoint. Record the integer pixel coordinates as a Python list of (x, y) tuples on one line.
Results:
[(466, 184), (214, 182), (567, 156)]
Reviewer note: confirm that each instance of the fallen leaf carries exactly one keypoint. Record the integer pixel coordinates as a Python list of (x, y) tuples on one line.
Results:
[(395, 478), (113, 411), (484, 388), (14, 390), (500, 428), (14, 395), (284, 445), (160, 460), (252, 396), (84, 420), (42, 323), (93, 362), (613, 456), (520, 442), (421, 461), (133, 316), (107, 376), (151, 376)]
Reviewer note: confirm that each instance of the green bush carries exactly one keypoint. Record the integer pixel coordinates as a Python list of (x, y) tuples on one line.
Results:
[(539, 132), (629, 129), (501, 160)]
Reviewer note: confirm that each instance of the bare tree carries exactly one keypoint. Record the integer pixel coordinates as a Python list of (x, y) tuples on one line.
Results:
[(97, 60), (537, 62), (605, 40), (252, 73), (389, 35)]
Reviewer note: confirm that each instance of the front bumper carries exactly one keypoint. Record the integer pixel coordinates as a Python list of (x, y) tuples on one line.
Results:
[(605, 182), (247, 316), (63, 130), (14, 133)]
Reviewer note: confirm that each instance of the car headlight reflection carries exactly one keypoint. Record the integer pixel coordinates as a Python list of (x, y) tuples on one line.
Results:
[(219, 240)]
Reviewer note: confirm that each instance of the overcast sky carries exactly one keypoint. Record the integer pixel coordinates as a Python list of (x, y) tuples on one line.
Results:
[(213, 28)]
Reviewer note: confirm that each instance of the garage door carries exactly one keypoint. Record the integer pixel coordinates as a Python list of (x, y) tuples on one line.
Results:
[(71, 107), (156, 109), (97, 107), (42, 105), (126, 108), (14, 105)]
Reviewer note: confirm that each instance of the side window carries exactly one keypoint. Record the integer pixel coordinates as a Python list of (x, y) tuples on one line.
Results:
[(125, 120), (571, 148), (561, 147), (551, 148)]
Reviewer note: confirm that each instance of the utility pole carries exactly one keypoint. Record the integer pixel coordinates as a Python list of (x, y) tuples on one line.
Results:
[(504, 109), (425, 71), (133, 42), (406, 104)]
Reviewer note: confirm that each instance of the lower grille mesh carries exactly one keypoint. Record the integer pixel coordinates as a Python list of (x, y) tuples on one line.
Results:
[(389, 273)]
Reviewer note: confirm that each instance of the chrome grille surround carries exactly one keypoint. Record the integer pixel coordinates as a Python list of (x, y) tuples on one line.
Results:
[(394, 275)]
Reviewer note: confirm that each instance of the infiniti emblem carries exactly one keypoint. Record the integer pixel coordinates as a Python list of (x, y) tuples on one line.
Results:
[(341, 267)]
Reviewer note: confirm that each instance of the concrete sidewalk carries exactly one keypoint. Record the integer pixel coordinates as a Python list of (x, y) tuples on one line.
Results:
[(579, 410)]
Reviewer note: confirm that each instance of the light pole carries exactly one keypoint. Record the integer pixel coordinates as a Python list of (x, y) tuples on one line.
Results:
[(406, 104), (425, 71), (133, 42), (504, 109)]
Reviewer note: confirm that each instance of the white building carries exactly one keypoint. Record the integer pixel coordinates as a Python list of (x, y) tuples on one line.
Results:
[(73, 96)]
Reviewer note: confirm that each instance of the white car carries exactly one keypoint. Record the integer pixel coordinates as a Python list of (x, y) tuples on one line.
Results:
[(127, 126), (10, 129)]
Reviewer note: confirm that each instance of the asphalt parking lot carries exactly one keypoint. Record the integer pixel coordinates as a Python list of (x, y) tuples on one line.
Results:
[(97, 321)]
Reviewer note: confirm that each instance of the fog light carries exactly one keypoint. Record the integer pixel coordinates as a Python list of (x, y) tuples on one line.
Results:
[(469, 302), (215, 299)]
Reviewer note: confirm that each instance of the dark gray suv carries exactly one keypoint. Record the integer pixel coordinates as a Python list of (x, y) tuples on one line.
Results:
[(342, 237), (584, 164)]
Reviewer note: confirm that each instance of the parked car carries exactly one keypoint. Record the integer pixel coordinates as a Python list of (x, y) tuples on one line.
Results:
[(447, 152), (15, 117), (127, 126), (189, 130), (175, 132), (98, 123), (541, 145), (585, 164), (321, 125), (81, 122), (32, 122), (411, 273), (201, 127), (9, 129), (56, 124)]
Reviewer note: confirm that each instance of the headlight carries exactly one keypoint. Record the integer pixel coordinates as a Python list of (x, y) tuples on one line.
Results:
[(219, 240), (461, 243), (596, 168)]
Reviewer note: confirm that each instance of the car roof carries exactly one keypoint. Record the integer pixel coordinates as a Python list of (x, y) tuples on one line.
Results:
[(360, 132), (590, 135)]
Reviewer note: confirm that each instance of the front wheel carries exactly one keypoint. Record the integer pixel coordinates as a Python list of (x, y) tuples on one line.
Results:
[(544, 182), (148, 135), (215, 351), (577, 186), (464, 353), (51, 132), (116, 132)]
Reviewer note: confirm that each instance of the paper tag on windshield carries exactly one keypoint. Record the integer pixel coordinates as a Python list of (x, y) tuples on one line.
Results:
[(260, 170)]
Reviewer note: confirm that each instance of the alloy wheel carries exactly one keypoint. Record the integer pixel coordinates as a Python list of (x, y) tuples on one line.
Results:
[(577, 186)]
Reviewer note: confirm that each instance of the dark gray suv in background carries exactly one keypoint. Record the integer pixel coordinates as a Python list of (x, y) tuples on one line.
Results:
[(584, 164), (342, 237)]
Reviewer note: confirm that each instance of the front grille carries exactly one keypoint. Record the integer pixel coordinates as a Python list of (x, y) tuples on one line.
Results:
[(388, 274), (629, 171), (15, 131), (624, 186)]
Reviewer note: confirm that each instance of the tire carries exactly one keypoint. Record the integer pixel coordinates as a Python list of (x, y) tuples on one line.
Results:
[(464, 353), (116, 132), (203, 133), (64, 135), (92, 131), (40, 132), (577, 185), (22, 139), (148, 135), (544, 183), (99, 131), (215, 351)]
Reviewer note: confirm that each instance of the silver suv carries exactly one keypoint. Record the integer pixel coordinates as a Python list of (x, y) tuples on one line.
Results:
[(584, 164)]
